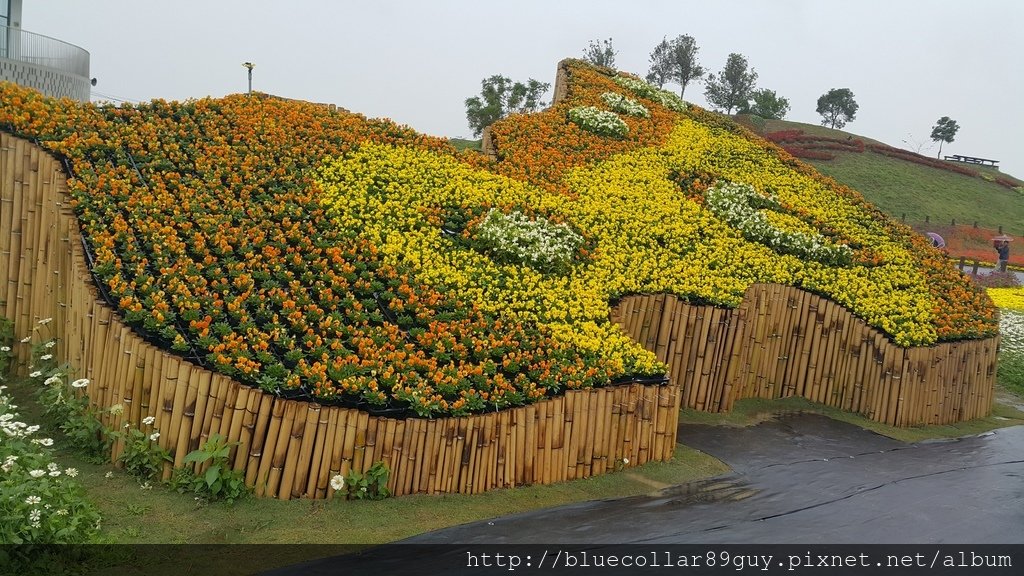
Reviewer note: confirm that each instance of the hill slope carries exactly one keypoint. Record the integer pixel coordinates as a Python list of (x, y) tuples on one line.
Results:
[(918, 192)]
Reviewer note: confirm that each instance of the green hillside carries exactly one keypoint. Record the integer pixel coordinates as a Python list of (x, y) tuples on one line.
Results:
[(899, 187)]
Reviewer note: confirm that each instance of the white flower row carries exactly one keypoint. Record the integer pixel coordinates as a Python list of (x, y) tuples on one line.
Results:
[(645, 90), (601, 122), (623, 105), (537, 243), (740, 205)]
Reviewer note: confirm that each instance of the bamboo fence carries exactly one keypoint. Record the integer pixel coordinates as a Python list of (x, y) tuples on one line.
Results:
[(783, 341), (288, 448)]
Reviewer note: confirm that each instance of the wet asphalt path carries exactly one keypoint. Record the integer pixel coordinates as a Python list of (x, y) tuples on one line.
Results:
[(805, 479), (799, 479)]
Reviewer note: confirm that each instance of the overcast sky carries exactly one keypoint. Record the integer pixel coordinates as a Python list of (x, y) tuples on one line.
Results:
[(908, 62)]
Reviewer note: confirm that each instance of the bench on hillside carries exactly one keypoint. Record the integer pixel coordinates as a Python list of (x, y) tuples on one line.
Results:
[(971, 160)]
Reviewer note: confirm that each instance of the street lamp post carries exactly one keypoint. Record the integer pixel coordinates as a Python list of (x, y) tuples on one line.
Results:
[(249, 66)]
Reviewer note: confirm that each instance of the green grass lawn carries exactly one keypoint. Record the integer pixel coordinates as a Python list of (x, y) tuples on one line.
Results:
[(463, 144), (133, 514)]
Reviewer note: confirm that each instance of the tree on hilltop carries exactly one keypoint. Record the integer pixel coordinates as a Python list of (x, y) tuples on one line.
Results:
[(944, 131), (766, 104), (675, 61), (837, 107), (732, 87), (499, 97), (661, 64), (600, 53), (684, 62)]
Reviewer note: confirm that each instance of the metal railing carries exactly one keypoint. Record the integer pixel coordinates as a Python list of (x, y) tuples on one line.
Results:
[(31, 48)]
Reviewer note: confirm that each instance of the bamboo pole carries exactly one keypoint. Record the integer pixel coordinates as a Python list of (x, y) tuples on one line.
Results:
[(406, 455), (526, 444), (272, 463), (431, 440), (304, 455)]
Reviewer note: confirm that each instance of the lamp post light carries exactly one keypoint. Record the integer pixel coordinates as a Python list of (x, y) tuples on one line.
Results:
[(249, 66)]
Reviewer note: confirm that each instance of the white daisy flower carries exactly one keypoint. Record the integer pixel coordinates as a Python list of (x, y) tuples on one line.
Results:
[(338, 482), (148, 420), (71, 472), (33, 500), (154, 436), (80, 383), (35, 374), (46, 356), (37, 473)]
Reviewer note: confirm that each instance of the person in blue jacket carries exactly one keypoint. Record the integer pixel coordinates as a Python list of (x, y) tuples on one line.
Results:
[(1003, 248)]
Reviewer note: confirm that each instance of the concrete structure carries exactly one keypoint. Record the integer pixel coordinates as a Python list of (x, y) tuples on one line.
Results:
[(51, 66)]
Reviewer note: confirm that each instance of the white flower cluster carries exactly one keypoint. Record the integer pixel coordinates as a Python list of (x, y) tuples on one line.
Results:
[(13, 428), (27, 471), (1011, 329), (537, 243), (623, 105), (645, 90), (739, 205), (600, 122)]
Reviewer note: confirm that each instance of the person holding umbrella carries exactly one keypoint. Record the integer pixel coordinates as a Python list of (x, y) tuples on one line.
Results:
[(1002, 246)]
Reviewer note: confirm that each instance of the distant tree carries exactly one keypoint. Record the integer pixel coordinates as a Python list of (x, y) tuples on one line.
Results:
[(661, 64), (600, 53), (732, 87), (766, 104), (499, 97), (684, 62), (944, 131), (837, 107)]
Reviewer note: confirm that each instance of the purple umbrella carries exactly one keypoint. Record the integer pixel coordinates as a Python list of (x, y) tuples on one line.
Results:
[(937, 240)]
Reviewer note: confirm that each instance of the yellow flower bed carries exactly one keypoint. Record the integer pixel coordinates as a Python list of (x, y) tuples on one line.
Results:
[(1007, 298), (648, 235)]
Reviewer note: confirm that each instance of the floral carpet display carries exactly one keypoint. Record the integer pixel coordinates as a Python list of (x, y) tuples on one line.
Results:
[(312, 252)]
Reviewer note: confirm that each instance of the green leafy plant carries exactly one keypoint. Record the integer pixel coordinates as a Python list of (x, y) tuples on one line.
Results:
[(213, 478), (143, 457), (373, 485), (66, 406), (6, 341)]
